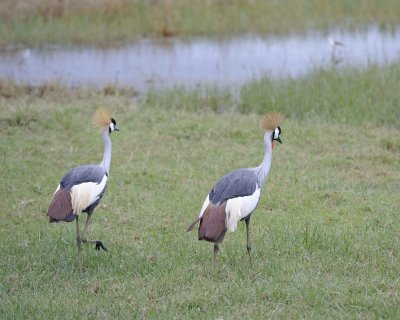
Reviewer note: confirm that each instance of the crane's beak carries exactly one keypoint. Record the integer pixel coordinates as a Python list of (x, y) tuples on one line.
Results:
[(116, 129), (279, 140)]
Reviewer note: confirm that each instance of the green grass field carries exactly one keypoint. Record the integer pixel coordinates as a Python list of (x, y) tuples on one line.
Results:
[(112, 21), (326, 234)]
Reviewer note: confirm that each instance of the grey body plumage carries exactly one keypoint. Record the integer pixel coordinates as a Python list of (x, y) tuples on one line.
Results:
[(238, 183), (86, 173)]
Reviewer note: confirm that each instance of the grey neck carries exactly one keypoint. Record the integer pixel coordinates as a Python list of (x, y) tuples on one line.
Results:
[(263, 169), (107, 150)]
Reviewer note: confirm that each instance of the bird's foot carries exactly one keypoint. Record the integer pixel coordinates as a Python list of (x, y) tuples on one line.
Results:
[(99, 245)]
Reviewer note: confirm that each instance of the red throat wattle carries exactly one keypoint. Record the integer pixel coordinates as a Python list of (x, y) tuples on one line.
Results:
[(272, 145)]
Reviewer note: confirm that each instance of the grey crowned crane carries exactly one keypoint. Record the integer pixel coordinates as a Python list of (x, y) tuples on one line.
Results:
[(81, 189), (235, 196)]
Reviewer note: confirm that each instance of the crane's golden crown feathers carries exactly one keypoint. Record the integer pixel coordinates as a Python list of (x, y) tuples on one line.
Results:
[(271, 120), (102, 118)]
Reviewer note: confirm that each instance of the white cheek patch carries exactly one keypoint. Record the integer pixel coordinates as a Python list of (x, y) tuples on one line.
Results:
[(276, 133), (112, 126)]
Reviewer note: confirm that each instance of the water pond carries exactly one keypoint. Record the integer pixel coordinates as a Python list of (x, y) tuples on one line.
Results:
[(176, 62)]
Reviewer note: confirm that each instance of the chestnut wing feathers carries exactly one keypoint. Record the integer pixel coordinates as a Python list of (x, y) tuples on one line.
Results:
[(213, 223), (61, 206)]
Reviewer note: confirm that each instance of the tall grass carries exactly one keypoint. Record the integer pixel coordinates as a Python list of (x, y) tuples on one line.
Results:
[(104, 22), (349, 96), (353, 96)]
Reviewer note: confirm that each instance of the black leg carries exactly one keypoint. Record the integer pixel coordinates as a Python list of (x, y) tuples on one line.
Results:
[(78, 238), (248, 244), (216, 249), (89, 216), (99, 244)]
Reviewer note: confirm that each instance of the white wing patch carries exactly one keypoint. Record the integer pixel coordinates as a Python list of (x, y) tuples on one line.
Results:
[(205, 205), (58, 188), (85, 194), (240, 207)]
